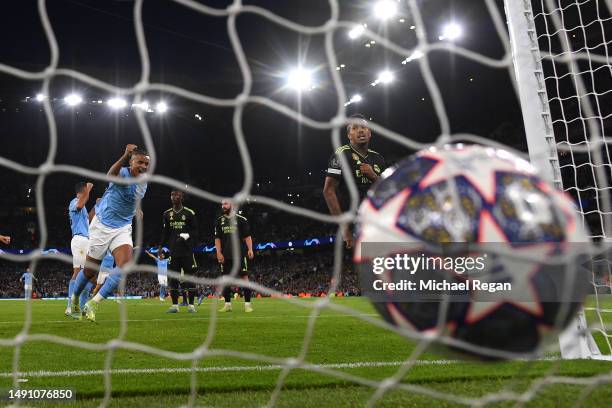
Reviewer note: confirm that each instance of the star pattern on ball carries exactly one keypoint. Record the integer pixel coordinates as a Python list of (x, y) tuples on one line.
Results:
[(478, 166), (519, 269)]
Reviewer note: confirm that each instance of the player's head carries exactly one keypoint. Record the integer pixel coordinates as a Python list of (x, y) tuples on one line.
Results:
[(162, 254), (177, 197), (226, 206), (139, 162), (358, 132), (79, 187)]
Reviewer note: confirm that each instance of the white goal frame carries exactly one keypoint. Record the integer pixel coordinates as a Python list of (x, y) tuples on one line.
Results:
[(576, 342)]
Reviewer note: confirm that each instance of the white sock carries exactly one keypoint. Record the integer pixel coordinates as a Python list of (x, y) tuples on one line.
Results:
[(247, 303), (98, 298)]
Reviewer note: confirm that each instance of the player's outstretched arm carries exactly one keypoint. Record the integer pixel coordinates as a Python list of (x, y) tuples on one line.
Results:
[(84, 197), (116, 167), (151, 255), (5, 239)]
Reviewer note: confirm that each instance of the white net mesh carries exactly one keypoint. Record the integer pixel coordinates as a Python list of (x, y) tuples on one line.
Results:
[(574, 39), (581, 118)]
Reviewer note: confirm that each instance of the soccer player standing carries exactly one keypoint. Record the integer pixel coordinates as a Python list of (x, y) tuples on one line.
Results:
[(162, 272), (366, 166), (228, 224), (26, 278), (180, 228), (111, 227), (79, 226)]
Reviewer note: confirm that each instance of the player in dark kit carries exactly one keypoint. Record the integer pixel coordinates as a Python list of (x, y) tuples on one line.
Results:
[(180, 228), (366, 166), (225, 226)]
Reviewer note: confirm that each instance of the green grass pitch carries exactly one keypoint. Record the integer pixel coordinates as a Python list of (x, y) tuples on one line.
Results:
[(276, 329)]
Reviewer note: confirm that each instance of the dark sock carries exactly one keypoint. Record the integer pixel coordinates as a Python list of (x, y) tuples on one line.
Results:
[(227, 294), (247, 294), (174, 295), (192, 294)]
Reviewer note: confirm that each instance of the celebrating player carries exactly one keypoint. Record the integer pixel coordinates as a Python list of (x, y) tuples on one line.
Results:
[(5, 239), (366, 166), (226, 225), (180, 228), (79, 225), (162, 272), (26, 278), (111, 227)]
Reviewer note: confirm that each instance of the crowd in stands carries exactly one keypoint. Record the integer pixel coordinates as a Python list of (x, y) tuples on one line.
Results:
[(286, 272)]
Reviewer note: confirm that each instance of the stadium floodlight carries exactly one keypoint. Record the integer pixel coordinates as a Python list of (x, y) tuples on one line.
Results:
[(354, 99), (357, 31), (414, 56), (116, 103), (384, 77), (451, 31), (40, 97), (300, 79), (385, 9), (73, 99), (161, 107)]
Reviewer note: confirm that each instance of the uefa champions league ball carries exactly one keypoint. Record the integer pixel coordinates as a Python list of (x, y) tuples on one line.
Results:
[(469, 202)]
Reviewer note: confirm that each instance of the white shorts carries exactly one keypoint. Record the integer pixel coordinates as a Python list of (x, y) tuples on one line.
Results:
[(78, 246), (162, 279), (28, 288), (103, 238), (102, 275)]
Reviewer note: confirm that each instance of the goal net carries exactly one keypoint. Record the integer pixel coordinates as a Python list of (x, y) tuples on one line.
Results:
[(562, 55), (559, 59)]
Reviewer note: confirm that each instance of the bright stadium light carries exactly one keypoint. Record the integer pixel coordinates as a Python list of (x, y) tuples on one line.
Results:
[(451, 32), (73, 100), (385, 9), (300, 79), (161, 107), (357, 31), (117, 103), (354, 99), (414, 56), (384, 77), (40, 97)]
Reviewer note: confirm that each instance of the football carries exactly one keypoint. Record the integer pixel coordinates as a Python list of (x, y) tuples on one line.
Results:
[(455, 244)]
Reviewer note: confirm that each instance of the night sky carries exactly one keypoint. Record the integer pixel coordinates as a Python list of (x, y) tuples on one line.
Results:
[(191, 50)]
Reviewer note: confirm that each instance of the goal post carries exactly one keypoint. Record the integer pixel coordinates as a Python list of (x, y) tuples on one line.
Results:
[(531, 76)]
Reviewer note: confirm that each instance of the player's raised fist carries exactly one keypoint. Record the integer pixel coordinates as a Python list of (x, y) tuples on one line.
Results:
[(89, 186), (129, 149)]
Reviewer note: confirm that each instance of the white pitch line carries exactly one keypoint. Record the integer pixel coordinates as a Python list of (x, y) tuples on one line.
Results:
[(70, 320), (84, 373)]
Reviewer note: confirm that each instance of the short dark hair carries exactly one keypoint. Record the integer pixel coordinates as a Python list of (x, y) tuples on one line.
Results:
[(137, 152), (355, 116), (80, 186)]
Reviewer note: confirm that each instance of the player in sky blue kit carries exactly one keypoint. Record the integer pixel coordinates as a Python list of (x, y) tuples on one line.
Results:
[(162, 272), (26, 278), (111, 227), (79, 226)]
